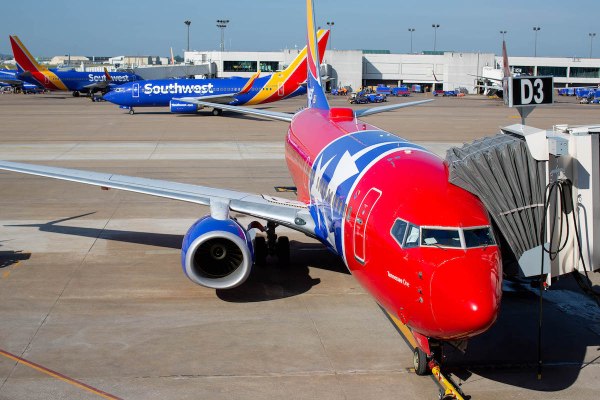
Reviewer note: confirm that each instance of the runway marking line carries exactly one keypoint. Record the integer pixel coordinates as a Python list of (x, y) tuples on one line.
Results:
[(58, 376)]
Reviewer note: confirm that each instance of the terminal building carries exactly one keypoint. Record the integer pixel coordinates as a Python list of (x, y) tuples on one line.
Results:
[(446, 70)]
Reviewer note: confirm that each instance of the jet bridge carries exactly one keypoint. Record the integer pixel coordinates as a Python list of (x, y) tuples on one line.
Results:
[(542, 189)]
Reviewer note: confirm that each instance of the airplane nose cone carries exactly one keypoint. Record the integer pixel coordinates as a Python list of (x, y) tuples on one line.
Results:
[(465, 295), (114, 97), (109, 96)]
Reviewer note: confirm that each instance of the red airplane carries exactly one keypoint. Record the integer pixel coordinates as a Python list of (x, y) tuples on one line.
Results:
[(422, 247)]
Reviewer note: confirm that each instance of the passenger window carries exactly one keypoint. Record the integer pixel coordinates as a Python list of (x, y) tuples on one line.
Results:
[(412, 237), (398, 230)]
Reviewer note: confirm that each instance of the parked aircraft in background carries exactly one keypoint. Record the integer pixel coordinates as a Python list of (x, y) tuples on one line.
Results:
[(422, 247), (8, 77), (160, 93), (58, 79)]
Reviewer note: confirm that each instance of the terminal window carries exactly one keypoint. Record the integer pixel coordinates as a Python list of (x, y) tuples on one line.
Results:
[(552, 71), (522, 70), (239, 66), (585, 72), (269, 66)]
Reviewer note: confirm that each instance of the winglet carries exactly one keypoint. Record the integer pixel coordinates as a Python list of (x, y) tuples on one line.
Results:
[(250, 82), (107, 75), (316, 94), (23, 57)]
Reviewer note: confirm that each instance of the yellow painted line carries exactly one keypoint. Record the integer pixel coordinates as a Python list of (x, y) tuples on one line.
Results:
[(403, 330), (5, 274), (58, 376), (515, 117)]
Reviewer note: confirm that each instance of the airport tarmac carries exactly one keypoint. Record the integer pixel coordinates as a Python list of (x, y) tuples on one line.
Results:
[(92, 292)]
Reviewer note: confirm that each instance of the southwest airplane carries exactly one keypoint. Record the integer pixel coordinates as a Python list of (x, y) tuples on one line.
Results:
[(422, 247), (232, 91), (8, 77), (59, 79)]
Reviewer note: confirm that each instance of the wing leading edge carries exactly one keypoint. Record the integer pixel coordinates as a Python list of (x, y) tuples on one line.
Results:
[(280, 116), (289, 213)]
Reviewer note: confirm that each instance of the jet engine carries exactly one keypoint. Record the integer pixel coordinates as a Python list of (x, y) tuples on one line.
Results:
[(217, 253)]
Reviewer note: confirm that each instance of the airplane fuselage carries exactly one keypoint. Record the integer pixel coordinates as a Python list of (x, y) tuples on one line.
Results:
[(76, 81), (420, 245), (159, 93)]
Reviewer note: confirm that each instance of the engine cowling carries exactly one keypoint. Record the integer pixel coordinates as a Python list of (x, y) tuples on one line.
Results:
[(217, 253), (180, 107)]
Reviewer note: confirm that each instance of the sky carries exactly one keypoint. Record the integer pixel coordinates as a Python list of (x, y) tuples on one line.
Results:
[(152, 27)]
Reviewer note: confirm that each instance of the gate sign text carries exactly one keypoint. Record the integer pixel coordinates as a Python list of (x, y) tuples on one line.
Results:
[(530, 91)]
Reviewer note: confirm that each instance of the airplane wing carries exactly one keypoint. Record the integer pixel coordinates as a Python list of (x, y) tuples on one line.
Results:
[(376, 110), (10, 81), (97, 85), (289, 213), (280, 116)]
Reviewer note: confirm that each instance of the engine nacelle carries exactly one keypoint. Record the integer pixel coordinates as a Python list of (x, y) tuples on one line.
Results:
[(217, 253), (180, 107)]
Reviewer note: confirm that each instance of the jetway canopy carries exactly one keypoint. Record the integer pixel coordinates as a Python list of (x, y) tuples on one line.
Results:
[(517, 173), (510, 183)]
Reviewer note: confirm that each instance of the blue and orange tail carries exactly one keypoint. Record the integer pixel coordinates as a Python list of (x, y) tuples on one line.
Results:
[(23, 57), (314, 88)]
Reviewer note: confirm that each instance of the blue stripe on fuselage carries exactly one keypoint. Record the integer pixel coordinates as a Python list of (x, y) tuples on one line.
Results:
[(334, 173), (158, 93)]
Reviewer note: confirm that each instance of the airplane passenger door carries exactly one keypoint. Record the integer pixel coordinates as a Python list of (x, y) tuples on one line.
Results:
[(360, 224), (280, 90), (135, 92)]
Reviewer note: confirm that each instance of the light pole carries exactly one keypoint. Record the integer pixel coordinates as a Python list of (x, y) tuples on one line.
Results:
[(435, 28), (330, 24), (503, 33), (222, 24), (591, 35), (188, 23), (411, 30), (536, 29)]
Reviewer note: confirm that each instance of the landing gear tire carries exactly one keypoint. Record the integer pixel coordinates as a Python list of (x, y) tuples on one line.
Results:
[(76, 94), (283, 250), (420, 362), (260, 251), (131, 111), (217, 111)]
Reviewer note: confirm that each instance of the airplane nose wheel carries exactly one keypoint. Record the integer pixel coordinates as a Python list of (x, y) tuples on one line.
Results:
[(131, 111), (420, 362)]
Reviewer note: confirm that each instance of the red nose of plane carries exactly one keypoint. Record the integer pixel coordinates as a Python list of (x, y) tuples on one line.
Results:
[(466, 293)]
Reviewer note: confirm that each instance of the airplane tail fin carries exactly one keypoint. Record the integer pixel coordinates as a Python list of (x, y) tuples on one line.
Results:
[(505, 67), (23, 57), (172, 57), (316, 94)]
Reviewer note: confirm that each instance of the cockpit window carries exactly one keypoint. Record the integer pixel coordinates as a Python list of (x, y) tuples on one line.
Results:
[(399, 230), (440, 237), (479, 237), (409, 236), (412, 236)]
